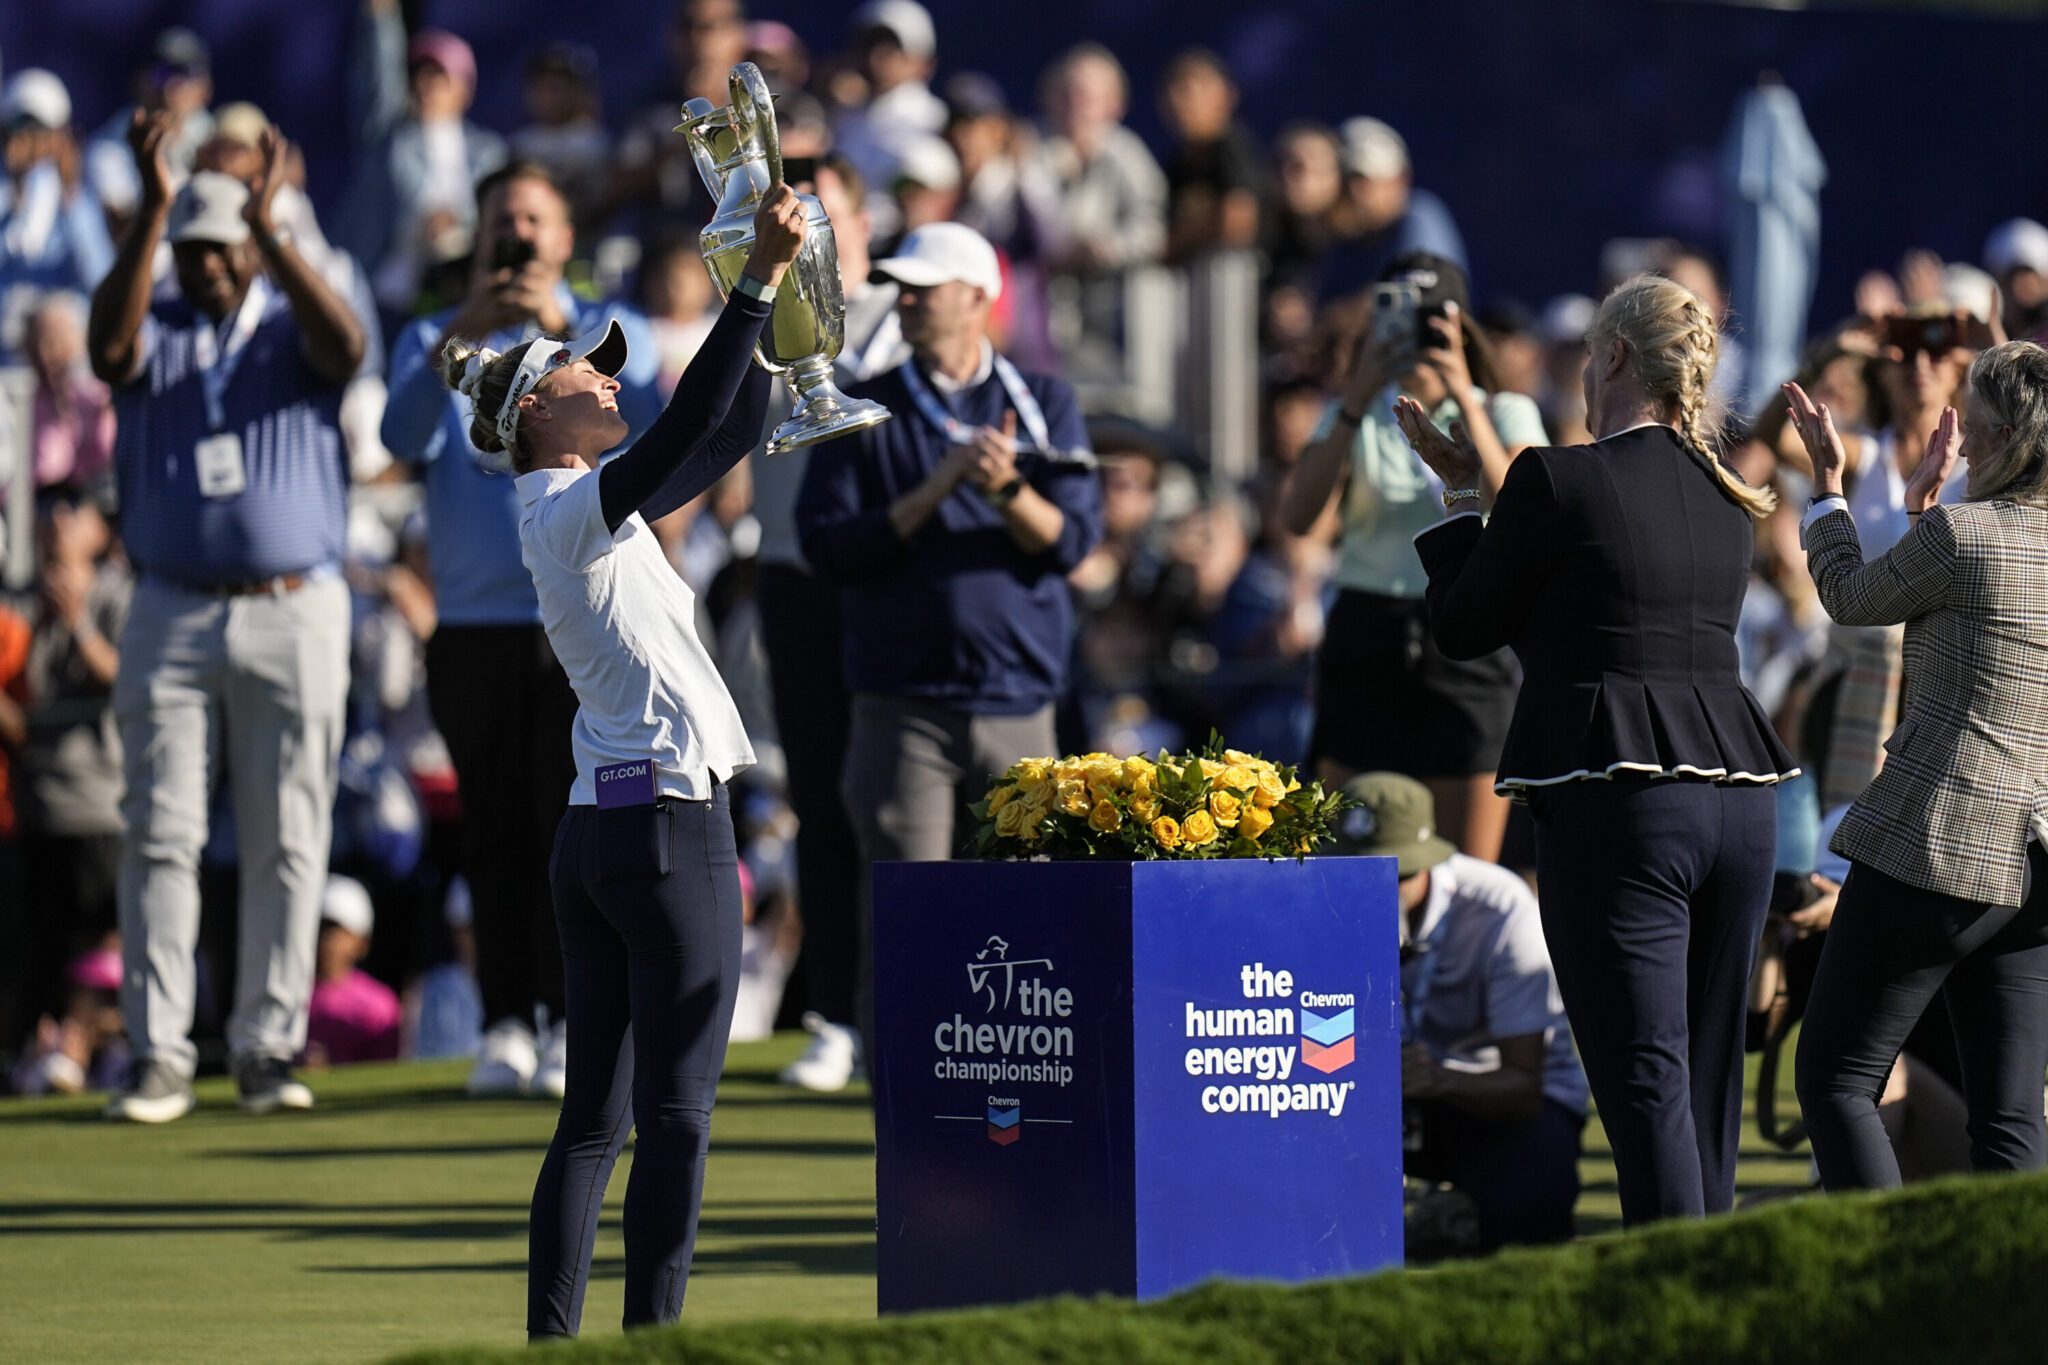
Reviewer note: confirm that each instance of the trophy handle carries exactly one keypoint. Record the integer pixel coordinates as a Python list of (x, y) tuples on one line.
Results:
[(754, 104)]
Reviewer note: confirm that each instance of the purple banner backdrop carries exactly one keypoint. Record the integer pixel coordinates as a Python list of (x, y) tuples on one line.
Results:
[(1548, 125)]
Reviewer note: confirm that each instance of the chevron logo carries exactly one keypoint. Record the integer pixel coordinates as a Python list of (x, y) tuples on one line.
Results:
[(1005, 1125), (1326, 1040)]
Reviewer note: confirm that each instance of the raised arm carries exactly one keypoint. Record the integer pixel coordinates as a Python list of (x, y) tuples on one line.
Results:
[(705, 397), (330, 333), (1912, 578), (121, 303), (1484, 577), (1908, 580), (718, 452)]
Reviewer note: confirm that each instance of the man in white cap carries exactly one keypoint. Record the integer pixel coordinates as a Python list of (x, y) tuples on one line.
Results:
[(1383, 214), (950, 530), (2016, 255), (234, 496), (52, 234), (898, 50)]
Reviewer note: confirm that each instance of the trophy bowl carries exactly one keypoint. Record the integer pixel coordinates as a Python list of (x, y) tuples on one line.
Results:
[(739, 156)]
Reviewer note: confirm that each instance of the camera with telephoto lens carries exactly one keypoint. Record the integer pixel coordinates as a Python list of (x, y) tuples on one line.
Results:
[(511, 253)]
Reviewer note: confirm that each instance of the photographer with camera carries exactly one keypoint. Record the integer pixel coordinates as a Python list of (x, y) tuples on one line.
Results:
[(498, 695), (1495, 1095), (1419, 341)]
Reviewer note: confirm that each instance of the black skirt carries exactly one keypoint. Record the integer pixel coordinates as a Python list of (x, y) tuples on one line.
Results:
[(1387, 700)]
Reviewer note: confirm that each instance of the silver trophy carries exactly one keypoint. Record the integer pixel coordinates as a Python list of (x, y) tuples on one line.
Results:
[(740, 157)]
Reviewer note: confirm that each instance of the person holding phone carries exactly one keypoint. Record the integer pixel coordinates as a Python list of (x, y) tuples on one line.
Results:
[(498, 695), (645, 872), (1948, 878), (1617, 571), (1421, 344)]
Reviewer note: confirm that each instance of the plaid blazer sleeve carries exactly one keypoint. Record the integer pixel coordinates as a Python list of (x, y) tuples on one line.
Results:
[(1908, 580)]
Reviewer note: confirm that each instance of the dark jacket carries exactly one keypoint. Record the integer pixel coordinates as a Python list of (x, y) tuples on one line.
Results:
[(1616, 572), (957, 614)]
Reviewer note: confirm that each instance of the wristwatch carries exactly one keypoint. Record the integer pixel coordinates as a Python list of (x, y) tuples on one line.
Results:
[(1005, 494), (1458, 495)]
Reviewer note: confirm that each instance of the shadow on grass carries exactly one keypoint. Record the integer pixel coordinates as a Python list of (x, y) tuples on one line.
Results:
[(800, 1258), (848, 1147)]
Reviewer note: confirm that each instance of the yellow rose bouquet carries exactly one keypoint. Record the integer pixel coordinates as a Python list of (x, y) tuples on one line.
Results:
[(1211, 803)]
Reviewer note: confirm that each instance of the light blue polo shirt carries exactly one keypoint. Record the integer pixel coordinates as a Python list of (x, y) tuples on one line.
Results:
[(291, 515), (1394, 495)]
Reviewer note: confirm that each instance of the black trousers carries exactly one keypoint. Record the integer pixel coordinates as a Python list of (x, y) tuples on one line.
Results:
[(648, 901), (800, 628), (69, 900), (1524, 1177), (505, 707), (1891, 947), (1654, 892)]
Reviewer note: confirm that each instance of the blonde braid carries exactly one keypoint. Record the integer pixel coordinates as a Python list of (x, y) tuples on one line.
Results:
[(1672, 338)]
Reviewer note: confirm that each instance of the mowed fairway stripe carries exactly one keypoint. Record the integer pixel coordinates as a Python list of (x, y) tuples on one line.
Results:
[(393, 1216)]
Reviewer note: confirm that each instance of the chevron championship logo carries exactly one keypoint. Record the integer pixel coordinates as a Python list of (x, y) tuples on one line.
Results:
[(1263, 1015)]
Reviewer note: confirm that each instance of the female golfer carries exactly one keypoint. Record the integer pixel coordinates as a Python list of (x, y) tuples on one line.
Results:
[(1616, 572), (1948, 879), (645, 873)]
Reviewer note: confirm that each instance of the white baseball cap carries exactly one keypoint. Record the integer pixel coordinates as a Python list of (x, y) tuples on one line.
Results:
[(344, 902), (910, 22), (2017, 243), (209, 209), (37, 94), (1373, 149), (938, 252), (930, 162)]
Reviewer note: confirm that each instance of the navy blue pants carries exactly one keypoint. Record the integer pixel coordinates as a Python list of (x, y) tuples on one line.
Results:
[(1524, 1177), (1890, 948), (1654, 892), (647, 899)]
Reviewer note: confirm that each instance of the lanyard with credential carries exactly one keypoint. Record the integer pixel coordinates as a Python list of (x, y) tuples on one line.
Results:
[(217, 358), (961, 433)]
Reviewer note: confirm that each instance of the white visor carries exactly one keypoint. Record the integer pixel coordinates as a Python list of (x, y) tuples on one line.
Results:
[(604, 348)]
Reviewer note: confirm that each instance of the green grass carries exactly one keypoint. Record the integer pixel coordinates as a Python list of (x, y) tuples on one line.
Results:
[(1936, 1274), (394, 1218), (391, 1217)]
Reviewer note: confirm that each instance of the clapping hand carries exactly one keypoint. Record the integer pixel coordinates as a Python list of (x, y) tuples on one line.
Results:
[(1816, 428), (148, 133), (260, 210), (1454, 458), (1935, 463), (995, 455)]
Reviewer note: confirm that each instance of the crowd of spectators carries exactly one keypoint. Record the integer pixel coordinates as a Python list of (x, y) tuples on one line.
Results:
[(1206, 603)]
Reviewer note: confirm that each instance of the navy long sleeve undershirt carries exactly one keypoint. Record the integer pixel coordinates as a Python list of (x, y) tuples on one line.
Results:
[(712, 420)]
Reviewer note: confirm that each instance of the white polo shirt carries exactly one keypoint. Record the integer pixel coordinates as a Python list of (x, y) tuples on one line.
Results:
[(623, 623)]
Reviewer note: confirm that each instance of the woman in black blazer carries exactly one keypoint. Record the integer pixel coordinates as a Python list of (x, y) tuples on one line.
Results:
[(1616, 572)]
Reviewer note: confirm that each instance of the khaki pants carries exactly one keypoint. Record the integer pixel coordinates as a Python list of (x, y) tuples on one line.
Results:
[(912, 769), (261, 681)]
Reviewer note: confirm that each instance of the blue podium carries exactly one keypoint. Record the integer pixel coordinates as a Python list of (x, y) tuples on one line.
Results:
[(1133, 1077)]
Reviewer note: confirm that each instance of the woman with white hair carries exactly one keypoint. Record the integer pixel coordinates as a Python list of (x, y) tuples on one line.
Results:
[(1616, 572), (1948, 846)]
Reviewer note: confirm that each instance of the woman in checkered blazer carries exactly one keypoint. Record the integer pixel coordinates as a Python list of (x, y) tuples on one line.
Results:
[(1948, 881)]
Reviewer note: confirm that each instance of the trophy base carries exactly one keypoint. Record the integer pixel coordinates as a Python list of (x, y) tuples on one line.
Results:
[(818, 421)]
